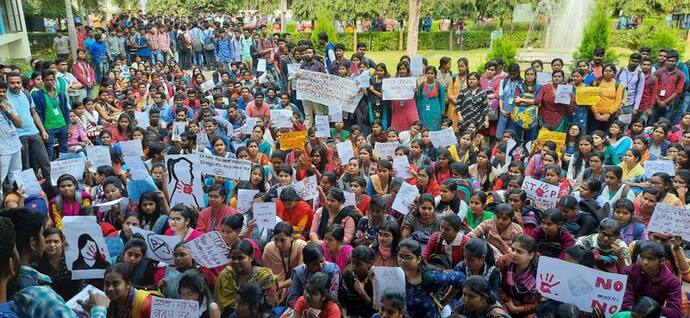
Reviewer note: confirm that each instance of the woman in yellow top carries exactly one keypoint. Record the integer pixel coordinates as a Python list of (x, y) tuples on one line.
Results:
[(631, 167), (610, 101), (457, 85)]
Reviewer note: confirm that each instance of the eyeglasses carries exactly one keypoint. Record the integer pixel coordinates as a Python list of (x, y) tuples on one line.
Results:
[(406, 258)]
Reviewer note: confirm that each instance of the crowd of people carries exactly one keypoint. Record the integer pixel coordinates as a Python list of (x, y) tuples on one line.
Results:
[(470, 244)]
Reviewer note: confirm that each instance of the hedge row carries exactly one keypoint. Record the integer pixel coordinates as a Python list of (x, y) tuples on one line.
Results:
[(631, 38)]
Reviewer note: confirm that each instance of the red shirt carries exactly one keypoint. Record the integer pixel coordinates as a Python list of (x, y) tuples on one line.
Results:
[(669, 83), (253, 111), (651, 90)]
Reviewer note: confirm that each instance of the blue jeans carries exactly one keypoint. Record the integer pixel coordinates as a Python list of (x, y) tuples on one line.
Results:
[(157, 56), (503, 124), (522, 134), (681, 107), (100, 69), (198, 58), (61, 135)]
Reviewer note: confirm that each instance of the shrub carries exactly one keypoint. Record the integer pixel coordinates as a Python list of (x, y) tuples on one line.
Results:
[(323, 24), (504, 49), (596, 34), (661, 36)]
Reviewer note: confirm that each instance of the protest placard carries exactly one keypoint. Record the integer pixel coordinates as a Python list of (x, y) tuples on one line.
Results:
[(159, 247), (249, 124), (587, 95), (209, 250), (173, 308), (72, 167), (136, 167), (443, 138), (106, 206), (86, 254), (545, 134), (265, 215), (83, 295), (584, 287), (399, 88), (136, 187), (292, 69), (349, 199), (363, 80), (115, 247), (307, 188), (335, 114), (563, 94), (293, 140), (322, 125), (281, 118), (184, 184), (202, 139), (401, 165), (260, 65), (385, 150), (543, 77), (177, 129), (329, 90), (387, 279), (131, 147), (542, 195), (235, 169), (207, 86), (345, 151), (668, 219), (27, 180), (417, 66), (244, 199), (142, 119), (406, 195), (653, 166), (99, 156)]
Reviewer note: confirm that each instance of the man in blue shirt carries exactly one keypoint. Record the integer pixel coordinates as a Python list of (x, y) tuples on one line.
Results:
[(99, 55), (328, 50), (31, 133)]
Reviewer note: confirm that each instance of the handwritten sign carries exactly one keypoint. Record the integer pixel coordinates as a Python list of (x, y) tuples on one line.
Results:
[(83, 295), (174, 308), (202, 139), (249, 124), (399, 88), (27, 180), (349, 199), (584, 287), (115, 247), (86, 254), (401, 165), (293, 140), (307, 188), (328, 90), (142, 119), (586, 95), (387, 279), (557, 137), (443, 138), (345, 151), (563, 94), (543, 77), (265, 215), (653, 166), (335, 114), (543, 195), (209, 250), (260, 65), (417, 66), (385, 150), (672, 220), (281, 118), (136, 167), (244, 199), (236, 169), (99, 156), (292, 70), (177, 129), (407, 194), (159, 247), (207, 86), (131, 147), (363, 80), (323, 129), (106, 206), (72, 167)]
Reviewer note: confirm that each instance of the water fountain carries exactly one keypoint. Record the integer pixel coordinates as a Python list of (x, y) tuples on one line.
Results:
[(563, 32)]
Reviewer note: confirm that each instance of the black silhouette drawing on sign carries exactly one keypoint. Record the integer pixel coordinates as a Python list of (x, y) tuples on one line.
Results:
[(90, 256)]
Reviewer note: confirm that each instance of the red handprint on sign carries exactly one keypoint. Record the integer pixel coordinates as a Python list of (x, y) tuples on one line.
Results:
[(547, 283)]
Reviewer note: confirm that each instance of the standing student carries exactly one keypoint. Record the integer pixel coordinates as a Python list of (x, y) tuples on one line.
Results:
[(671, 85), (506, 93), (53, 110), (11, 151), (634, 80), (605, 111), (431, 100)]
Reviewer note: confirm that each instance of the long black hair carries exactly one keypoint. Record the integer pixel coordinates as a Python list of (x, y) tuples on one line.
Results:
[(196, 282)]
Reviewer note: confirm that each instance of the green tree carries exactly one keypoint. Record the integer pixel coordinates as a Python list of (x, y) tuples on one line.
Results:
[(325, 23), (189, 7), (596, 34), (503, 49)]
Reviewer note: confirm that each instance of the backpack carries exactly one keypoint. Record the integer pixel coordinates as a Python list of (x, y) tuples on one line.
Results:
[(58, 200), (197, 44), (182, 43)]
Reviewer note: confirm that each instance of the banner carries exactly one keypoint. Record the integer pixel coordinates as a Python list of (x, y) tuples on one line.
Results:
[(209, 250), (86, 254), (587, 95), (184, 183), (399, 88), (72, 167), (543, 195), (292, 140), (329, 90), (584, 287), (235, 169), (672, 220)]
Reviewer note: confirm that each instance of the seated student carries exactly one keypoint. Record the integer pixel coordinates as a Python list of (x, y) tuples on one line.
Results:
[(282, 255), (579, 219), (647, 203), (518, 291), (450, 201), (553, 240), (317, 301), (52, 263), (125, 298), (633, 173), (554, 175), (180, 222), (676, 260), (210, 218), (356, 291), (664, 182), (422, 222), (501, 231), (68, 201), (143, 269), (475, 211), (193, 286), (547, 155), (644, 307), (652, 278), (293, 210), (448, 243), (334, 250), (334, 212), (631, 228), (615, 189), (313, 263), (479, 300), (168, 278), (153, 210), (392, 306), (479, 260), (368, 226), (610, 252), (385, 245), (522, 211)]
